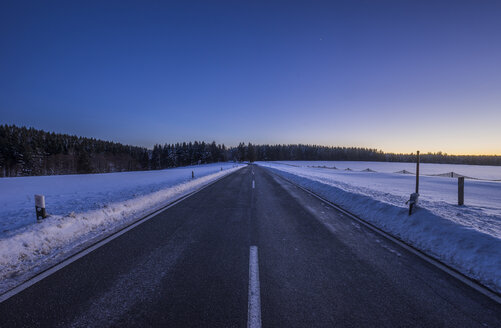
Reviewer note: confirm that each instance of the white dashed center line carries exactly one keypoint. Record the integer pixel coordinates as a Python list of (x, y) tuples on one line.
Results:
[(254, 309)]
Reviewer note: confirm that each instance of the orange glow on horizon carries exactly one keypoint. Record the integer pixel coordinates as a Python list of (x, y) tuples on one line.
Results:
[(465, 153)]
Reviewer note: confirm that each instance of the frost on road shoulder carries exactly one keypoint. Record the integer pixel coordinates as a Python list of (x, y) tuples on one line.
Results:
[(82, 208), (468, 238)]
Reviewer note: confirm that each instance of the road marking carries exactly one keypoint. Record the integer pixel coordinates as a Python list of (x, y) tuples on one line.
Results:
[(254, 314), (33, 280), (253, 184)]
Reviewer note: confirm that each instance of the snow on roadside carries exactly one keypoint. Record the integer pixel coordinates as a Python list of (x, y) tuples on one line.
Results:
[(34, 247), (474, 252)]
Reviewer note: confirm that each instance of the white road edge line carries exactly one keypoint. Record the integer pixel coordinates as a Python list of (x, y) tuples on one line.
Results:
[(445, 268), (254, 309), (33, 280)]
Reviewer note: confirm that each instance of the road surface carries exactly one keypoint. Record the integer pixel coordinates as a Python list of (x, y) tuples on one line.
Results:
[(251, 249)]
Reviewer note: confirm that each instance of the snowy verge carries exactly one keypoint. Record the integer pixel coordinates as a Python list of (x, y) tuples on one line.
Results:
[(471, 252), (36, 247)]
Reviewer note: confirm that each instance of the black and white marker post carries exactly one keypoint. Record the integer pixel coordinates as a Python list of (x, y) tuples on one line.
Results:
[(40, 207)]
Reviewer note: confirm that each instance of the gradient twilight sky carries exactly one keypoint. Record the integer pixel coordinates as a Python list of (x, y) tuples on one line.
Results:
[(394, 75)]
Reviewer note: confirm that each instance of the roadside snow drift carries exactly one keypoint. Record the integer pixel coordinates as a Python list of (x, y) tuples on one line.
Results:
[(467, 238), (82, 208)]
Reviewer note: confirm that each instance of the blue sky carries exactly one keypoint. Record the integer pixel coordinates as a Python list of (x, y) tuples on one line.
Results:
[(393, 75)]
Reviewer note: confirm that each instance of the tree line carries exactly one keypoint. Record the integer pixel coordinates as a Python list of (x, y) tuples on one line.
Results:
[(299, 152), (28, 151)]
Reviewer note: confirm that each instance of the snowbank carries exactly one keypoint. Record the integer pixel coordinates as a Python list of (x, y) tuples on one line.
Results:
[(434, 227), (32, 248)]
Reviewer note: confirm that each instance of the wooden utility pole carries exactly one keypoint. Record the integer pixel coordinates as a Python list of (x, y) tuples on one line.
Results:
[(417, 173), (415, 196)]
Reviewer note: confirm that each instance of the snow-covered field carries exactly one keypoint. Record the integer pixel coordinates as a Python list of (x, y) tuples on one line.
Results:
[(474, 171), (467, 238), (82, 208)]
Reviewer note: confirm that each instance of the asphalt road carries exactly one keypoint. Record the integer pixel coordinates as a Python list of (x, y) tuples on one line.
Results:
[(189, 266)]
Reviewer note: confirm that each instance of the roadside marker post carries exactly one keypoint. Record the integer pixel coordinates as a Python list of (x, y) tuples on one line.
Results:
[(192, 174), (460, 191), (40, 207)]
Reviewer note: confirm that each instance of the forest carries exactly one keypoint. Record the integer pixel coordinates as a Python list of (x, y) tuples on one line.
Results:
[(28, 151), (325, 153)]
